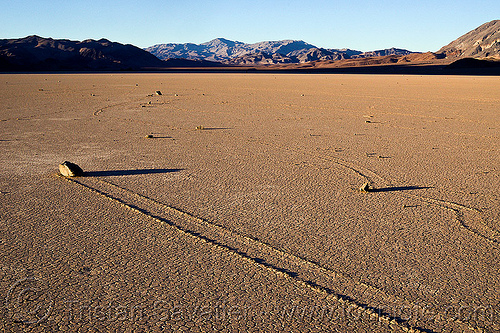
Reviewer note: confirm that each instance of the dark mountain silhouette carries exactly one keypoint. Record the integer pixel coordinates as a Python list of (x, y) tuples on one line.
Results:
[(474, 63), (34, 53), (482, 42)]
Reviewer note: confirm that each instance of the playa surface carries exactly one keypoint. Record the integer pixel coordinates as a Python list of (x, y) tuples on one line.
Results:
[(255, 222)]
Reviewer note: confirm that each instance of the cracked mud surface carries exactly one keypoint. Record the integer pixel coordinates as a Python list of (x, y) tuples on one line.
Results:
[(255, 222)]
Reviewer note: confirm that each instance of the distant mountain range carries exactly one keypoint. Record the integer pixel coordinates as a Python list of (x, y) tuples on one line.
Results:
[(38, 53), (34, 53), (262, 53)]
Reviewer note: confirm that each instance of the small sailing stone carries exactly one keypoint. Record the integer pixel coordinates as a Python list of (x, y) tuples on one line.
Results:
[(366, 188)]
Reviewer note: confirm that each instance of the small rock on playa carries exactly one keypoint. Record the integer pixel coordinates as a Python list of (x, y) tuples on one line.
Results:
[(366, 188), (68, 169)]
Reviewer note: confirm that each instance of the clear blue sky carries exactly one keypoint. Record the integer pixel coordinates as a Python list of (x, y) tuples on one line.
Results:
[(361, 24)]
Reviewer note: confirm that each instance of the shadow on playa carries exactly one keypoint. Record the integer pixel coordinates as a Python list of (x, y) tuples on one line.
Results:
[(128, 172)]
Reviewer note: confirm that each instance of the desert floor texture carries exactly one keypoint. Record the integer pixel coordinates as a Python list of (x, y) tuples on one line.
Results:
[(256, 221)]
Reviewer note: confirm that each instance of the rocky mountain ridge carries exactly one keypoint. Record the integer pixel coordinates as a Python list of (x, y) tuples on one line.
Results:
[(34, 53), (482, 42), (262, 53)]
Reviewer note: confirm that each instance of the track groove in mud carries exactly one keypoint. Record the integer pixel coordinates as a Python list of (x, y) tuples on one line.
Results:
[(342, 289), (99, 111), (485, 232)]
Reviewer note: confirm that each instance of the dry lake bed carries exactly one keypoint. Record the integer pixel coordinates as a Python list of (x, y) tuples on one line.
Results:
[(231, 202)]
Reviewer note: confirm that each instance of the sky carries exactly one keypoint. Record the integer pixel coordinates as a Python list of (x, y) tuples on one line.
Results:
[(361, 25)]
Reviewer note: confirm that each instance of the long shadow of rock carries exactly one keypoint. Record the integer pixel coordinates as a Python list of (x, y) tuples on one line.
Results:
[(399, 188), (128, 172), (216, 128)]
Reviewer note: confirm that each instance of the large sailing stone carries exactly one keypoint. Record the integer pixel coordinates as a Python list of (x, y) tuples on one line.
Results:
[(68, 169)]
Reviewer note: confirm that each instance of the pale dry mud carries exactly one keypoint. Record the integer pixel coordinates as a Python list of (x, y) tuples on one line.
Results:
[(254, 223)]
